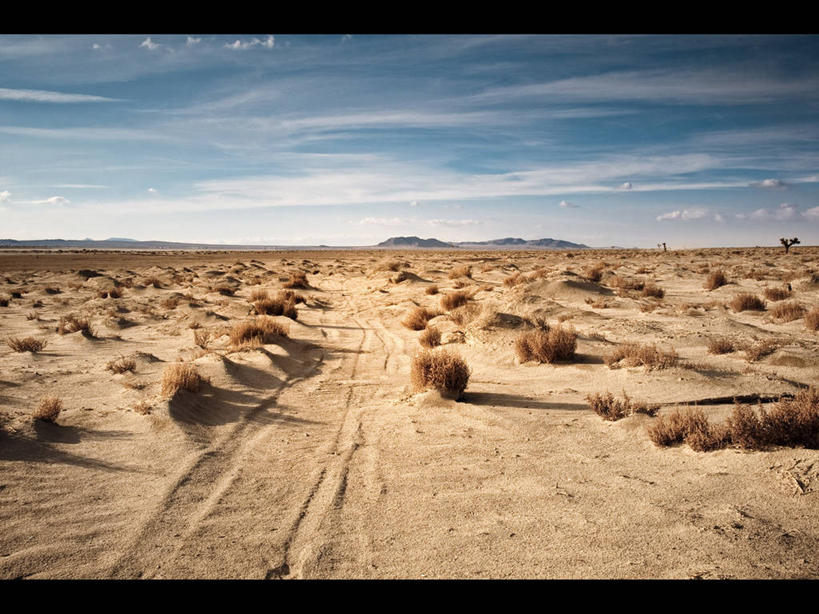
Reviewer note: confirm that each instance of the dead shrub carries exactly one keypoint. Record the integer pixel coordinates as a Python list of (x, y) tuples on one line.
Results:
[(26, 344), (440, 369), (417, 318), (636, 355), (48, 410), (787, 312), (170, 303), (454, 299), (178, 377), (260, 331), (72, 324), (121, 365), (609, 408), (715, 279), (746, 428), (52, 290), (690, 426), (465, 314), (284, 304), (552, 345), (430, 338), (794, 422), (298, 279), (258, 294), (812, 319), (653, 290), (720, 346), (760, 350), (153, 281), (463, 270), (776, 294), (513, 280), (4, 302), (746, 301), (433, 289), (201, 337)]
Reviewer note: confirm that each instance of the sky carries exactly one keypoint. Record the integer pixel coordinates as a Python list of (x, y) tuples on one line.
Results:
[(266, 139)]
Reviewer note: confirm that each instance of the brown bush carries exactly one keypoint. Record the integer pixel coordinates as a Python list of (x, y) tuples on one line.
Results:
[(746, 428), (760, 350), (52, 290), (4, 302), (26, 344), (454, 299), (260, 331), (794, 422), (635, 355), (513, 280), (433, 289), (552, 345), (653, 290), (72, 324), (787, 312), (612, 409), (812, 319), (284, 304), (153, 281), (690, 426), (48, 410), (440, 369), (430, 338), (258, 294), (715, 279), (298, 279), (121, 365), (201, 337), (463, 270), (417, 318), (776, 294), (465, 314), (746, 301), (720, 346), (178, 377), (172, 302)]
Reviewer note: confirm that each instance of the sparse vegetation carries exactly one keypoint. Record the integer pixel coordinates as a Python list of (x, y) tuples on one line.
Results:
[(760, 350), (48, 410), (433, 289), (715, 280), (463, 270), (298, 279), (812, 319), (121, 365), (787, 312), (745, 301), (653, 290), (255, 333), (441, 370), (720, 346), (430, 337), (72, 324), (454, 299), (180, 376), (776, 294), (549, 345), (609, 408), (417, 318), (26, 344), (636, 355)]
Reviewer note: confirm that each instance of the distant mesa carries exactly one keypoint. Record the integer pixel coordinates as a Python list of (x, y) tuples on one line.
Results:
[(413, 242)]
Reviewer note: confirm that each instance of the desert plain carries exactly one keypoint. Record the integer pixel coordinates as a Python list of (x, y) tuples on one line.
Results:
[(198, 414)]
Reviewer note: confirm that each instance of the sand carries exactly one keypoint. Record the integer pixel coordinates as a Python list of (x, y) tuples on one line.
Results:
[(311, 456)]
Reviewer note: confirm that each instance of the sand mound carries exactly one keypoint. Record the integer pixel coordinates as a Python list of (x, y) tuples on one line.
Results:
[(566, 289)]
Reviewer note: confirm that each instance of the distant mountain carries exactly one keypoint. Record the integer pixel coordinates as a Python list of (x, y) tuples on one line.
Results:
[(517, 242), (412, 242)]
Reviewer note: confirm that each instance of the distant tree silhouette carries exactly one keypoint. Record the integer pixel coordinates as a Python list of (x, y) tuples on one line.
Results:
[(788, 242)]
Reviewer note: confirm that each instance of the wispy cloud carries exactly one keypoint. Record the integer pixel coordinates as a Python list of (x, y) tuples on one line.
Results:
[(239, 45), (54, 200), (149, 44), (5, 195), (684, 215), (770, 184), (565, 204), (47, 96), (192, 41)]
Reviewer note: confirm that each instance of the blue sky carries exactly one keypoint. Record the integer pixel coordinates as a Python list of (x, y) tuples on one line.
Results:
[(347, 140)]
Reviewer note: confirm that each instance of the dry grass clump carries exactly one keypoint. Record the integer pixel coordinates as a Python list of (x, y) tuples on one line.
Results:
[(623, 283), (389, 265), (653, 290), (201, 337), (760, 350), (172, 302), (26, 344), (720, 346), (787, 312), (430, 338), (52, 290), (255, 333), (284, 304), (178, 377), (152, 281), (298, 279), (463, 270), (417, 318), (440, 369), (549, 345), (794, 422), (454, 299), (121, 365), (595, 273), (513, 280), (72, 323), (433, 289), (465, 314), (4, 302), (746, 301), (48, 409), (636, 355), (258, 294), (225, 290), (776, 294), (715, 279), (612, 409), (812, 319), (690, 426)]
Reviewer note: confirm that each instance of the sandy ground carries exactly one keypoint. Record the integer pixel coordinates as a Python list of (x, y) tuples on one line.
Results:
[(313, 457)]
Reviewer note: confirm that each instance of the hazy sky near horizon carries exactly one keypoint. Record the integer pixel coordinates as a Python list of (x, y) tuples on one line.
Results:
[(347, 140)]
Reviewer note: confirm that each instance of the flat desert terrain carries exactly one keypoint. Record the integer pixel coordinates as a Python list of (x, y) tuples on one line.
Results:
[(254, 414)]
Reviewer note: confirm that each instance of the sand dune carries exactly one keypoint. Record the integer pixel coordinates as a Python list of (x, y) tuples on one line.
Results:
[(310, 455)]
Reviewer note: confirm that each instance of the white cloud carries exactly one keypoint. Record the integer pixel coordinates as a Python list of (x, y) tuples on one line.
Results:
[(151, 190), (380, 221), (149, 44), (567, 205), (238, 45), (192, 41), (770, 183), (414, 203), (784, 212), (54, 200), (812, 213), (454, 222), (626, 185), (686, 215), (5, 196), (47, 96), (673, 215)]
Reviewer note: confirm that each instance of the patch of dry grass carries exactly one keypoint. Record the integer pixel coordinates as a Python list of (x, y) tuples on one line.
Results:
[(720, 346), (433, 289), (417, 318), (715, 280), (812, 319), (463, 270), (760, 350), (430, 338), (689, 426), (48, 410), (788, 312), (745, 301), (609, 408), (72, 324), (776, 294), (284, 304), (455, 299), (441, 370), (121, 365), (547, 345), (255, 333), (636, 355), (180, 376), (26, 344), (653, 290), (298, 279)]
